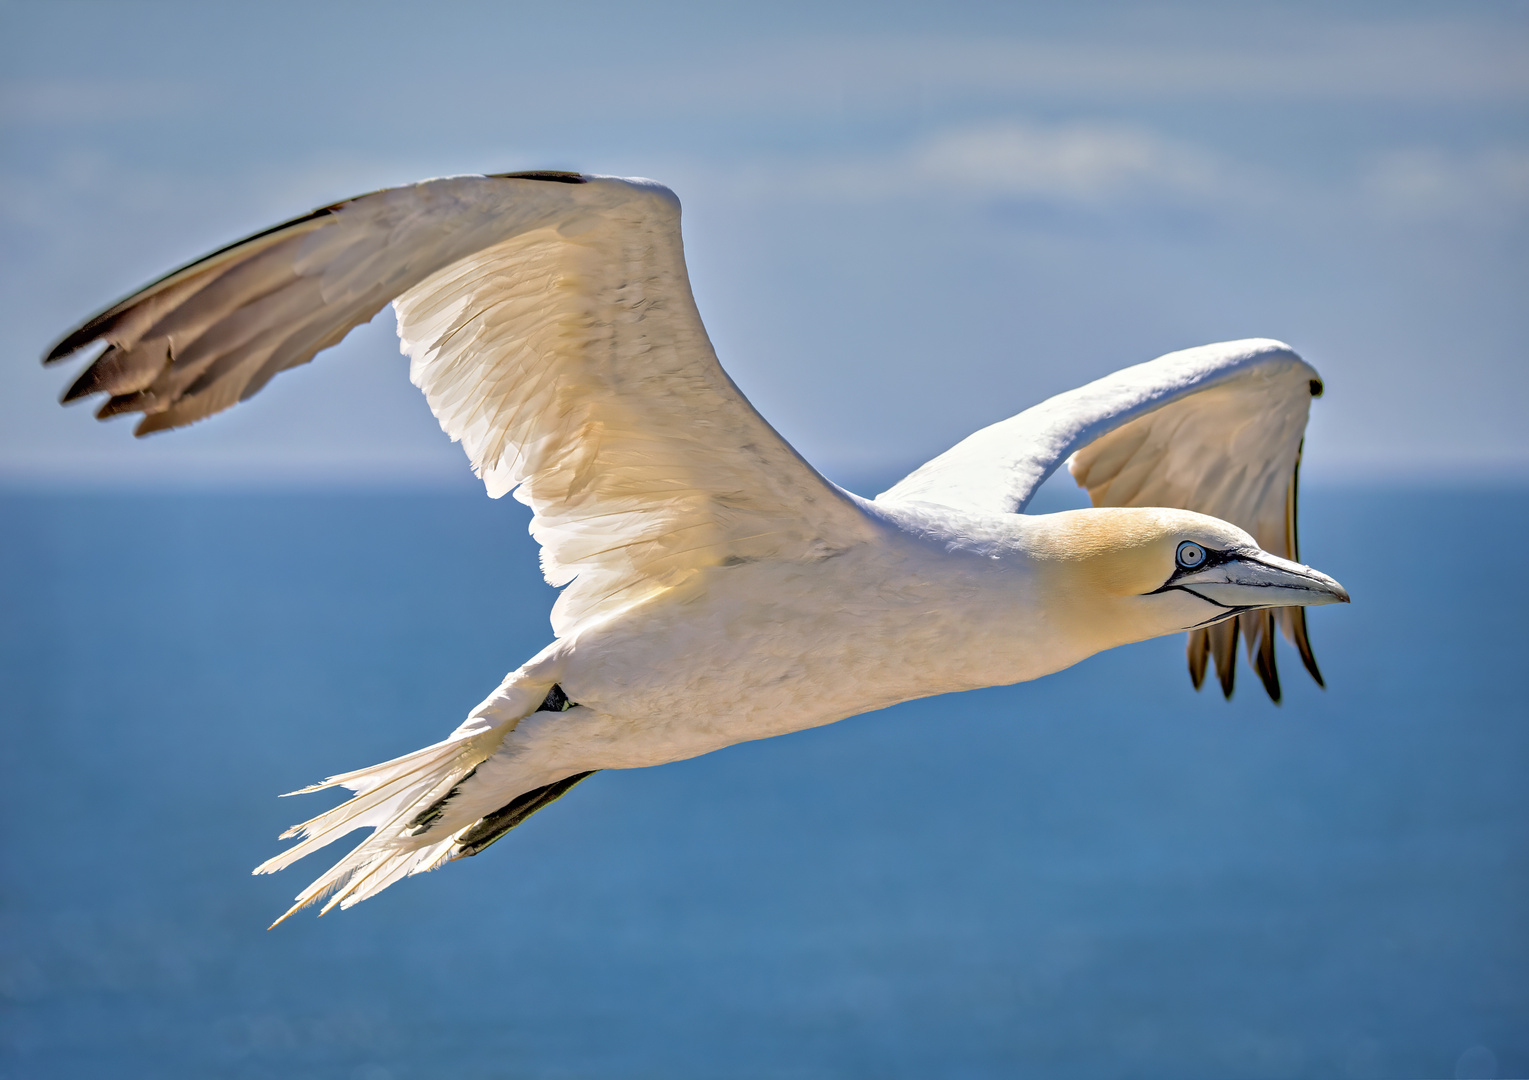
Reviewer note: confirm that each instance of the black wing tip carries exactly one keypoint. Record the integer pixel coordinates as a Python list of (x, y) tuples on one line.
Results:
[(1226, 656), (76, 340), (1312, 669), (554, 176), (1222, 649), (99, 325), (1269, 675), (1197, 653), (82, 387), (1263, 658), (1316, 387), (1302, 638)]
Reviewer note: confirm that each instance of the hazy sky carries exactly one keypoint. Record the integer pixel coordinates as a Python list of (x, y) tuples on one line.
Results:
[(903, 221)]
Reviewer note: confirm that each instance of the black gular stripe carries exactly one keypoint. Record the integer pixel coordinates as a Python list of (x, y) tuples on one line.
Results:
[(1218, 617)]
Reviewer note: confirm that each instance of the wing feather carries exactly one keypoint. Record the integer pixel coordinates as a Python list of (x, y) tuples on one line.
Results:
[(576, 372), (552, 329), (999, 468), (1216, 430)]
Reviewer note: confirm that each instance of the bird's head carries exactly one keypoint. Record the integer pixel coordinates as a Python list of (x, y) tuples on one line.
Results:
[(1124, 574)]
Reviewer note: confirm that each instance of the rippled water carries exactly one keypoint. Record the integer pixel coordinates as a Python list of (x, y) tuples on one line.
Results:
[(1101, 874)]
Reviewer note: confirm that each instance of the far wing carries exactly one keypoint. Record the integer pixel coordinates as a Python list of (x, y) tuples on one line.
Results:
[(550, 323), (1215, 429)]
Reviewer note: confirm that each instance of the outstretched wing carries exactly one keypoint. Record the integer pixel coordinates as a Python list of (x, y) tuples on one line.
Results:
[(550, 323), (1215, 429)]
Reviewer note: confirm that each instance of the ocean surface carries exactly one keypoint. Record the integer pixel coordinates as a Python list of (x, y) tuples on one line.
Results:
[(1099, 874)]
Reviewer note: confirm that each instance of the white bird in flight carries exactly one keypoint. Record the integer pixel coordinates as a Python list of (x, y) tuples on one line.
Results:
[(716, 588)]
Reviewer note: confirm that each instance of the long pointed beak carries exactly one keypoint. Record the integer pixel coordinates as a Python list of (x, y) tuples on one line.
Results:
[(1261, 580)]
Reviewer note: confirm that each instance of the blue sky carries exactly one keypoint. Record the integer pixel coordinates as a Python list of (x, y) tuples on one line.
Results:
[(903, 221)]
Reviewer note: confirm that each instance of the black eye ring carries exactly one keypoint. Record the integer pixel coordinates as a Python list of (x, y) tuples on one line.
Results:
[(1191, 555)]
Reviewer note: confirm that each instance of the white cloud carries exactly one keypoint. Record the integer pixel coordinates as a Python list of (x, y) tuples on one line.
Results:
[(1089, 164), (1102, 165), (1238, 59), (1085, 163), (1398, 61), (1426, 183)]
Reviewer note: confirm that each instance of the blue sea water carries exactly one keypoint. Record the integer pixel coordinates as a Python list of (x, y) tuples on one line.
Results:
[(1099, 874)]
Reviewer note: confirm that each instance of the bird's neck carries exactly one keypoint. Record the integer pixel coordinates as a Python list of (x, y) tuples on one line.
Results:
[(998, 599)]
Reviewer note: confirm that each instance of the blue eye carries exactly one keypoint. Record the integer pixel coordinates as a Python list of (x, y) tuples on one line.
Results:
[(1191, 555)]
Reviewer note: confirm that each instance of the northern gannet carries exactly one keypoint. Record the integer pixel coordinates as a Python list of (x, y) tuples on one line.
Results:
[(717, 589)]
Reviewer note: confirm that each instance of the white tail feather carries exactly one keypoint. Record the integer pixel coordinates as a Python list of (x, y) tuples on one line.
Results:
[(389, 797)]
